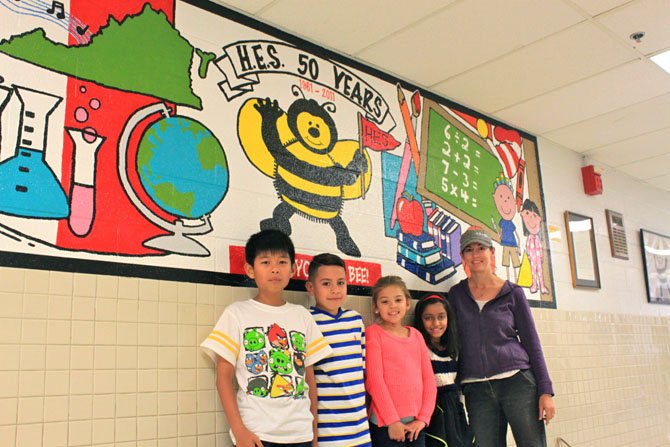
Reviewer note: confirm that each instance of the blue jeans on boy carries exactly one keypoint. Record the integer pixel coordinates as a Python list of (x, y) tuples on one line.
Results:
[(493, 404), (380, 438)]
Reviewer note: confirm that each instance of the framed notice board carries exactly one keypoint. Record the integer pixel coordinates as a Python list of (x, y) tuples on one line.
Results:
[(457, 168), (617, 232)]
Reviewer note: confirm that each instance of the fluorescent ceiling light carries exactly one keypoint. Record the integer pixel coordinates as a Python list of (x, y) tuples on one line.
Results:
[(662, 60)]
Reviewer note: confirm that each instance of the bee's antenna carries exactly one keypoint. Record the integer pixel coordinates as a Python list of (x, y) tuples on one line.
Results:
[(329, 106), (296, 91)]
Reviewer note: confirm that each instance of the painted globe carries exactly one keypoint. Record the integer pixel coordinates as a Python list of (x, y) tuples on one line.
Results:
[(182, 167)]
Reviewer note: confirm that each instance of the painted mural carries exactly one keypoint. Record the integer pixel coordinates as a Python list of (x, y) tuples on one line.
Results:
[(151, 137)]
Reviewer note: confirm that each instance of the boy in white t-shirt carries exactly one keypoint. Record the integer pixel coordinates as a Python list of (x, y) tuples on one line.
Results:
[(269, 346)]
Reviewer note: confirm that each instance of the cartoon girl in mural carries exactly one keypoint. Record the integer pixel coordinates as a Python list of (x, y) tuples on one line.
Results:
[(532, 223)]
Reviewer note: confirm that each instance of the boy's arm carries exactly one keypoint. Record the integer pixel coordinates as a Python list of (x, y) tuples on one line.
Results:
[(311, 383), (224, 385)]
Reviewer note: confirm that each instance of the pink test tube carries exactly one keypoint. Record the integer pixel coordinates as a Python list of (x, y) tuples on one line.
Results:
[(82, 197)]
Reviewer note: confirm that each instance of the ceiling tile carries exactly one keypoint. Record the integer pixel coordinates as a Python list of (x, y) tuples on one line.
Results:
[(467, 34), (634, 149), (625, 85), (648, 168), (563, 58), (349, 25), (595, 7), (662, 182), (650, 16), (628, 122), (249, 6)]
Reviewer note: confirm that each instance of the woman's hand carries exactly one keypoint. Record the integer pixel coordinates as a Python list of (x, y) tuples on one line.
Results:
[(397, 431), (413, 429), (547, 408)]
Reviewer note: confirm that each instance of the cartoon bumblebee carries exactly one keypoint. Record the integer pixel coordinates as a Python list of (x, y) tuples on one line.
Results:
[(313, 172)]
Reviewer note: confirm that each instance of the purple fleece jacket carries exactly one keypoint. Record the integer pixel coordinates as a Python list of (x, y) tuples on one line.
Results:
[(502, 337)]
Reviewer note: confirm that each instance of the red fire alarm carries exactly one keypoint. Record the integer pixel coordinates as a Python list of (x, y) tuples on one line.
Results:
[(593, 182)]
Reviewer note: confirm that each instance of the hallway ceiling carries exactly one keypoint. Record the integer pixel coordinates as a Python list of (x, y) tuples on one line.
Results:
[(564, 70)]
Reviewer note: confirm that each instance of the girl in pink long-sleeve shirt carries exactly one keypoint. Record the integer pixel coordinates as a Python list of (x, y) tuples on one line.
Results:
[(399, 376)]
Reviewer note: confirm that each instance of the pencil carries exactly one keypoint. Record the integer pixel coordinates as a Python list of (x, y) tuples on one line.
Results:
[(411, 136)]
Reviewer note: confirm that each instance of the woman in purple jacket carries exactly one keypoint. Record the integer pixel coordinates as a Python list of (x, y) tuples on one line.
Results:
[(502, 371)]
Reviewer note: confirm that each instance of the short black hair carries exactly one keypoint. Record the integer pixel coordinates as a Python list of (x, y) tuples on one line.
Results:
[(268, 241), (321, 260), (450, 337)]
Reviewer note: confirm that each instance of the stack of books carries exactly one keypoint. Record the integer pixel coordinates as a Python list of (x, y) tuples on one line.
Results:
[(446, 233), (421, 256)]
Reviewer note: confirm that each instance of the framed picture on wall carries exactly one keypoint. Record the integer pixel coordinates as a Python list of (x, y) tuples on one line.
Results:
[(656, 255), (582, 248)]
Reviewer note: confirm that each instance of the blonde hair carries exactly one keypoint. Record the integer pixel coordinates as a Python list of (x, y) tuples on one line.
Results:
[(387, 281)]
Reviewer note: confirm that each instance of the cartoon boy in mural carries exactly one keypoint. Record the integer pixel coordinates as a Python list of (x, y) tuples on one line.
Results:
[(313, 172), (503, 197), (532, 224)]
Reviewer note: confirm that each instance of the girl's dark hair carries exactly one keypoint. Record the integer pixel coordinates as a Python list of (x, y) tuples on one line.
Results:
[(532, 207), (450, 337)]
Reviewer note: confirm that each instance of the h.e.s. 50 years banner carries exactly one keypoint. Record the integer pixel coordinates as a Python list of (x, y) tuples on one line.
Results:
[(151, 138)]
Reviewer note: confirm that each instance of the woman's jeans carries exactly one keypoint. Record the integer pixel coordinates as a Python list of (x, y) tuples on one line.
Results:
[(493, 404), (380, 438)]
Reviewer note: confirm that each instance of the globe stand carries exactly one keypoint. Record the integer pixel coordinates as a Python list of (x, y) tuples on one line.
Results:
[(178, 241)]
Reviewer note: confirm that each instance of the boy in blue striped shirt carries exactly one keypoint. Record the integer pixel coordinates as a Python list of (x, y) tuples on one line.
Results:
[(342, 415)]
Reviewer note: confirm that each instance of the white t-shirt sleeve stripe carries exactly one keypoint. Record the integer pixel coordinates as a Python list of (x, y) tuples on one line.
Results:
[(316, 346), (226, 342)]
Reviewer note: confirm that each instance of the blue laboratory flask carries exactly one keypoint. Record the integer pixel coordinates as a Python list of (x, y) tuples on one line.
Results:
[(28, 186)]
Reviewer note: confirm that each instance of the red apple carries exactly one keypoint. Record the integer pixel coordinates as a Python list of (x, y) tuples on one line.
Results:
[(410, 215)]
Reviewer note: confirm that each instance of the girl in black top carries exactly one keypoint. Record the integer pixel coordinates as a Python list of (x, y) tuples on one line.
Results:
[(435, 319)]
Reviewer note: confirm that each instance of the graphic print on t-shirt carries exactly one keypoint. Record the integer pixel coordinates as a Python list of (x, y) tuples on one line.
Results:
[(258, 386), (283, 363), (299, 345), (256, 362), (277, 336), (280, 361)]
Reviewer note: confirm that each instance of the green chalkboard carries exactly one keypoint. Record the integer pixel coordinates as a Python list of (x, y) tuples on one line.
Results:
[(457, 169)]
